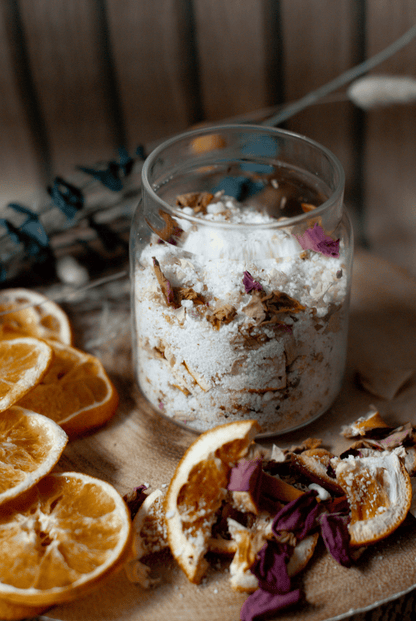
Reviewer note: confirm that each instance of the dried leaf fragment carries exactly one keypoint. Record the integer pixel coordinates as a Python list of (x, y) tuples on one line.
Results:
[(224, 314), (307, 207), (170, 232), (167, 289), (188, 293), (198, 201), (365, 425)]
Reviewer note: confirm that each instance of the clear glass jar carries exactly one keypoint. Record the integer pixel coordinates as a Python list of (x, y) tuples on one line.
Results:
[(241, 256)]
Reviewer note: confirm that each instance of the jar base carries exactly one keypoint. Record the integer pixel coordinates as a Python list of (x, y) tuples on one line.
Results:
[(279, 428)]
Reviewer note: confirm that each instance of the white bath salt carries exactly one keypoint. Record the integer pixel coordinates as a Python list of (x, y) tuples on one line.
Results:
[(216, 357)]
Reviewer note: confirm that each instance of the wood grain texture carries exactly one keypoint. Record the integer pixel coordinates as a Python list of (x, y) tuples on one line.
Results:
[(232, 56), (20, 171), (66, 61), (150, 43), (319, 45), (390, 138)]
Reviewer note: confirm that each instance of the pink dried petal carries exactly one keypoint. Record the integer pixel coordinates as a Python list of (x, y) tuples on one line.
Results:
[(261, 603), (315, 239), (298, 516), (250, 284), (270, 567), (245, 477), (248, 476), (334, 529), (135, 499)]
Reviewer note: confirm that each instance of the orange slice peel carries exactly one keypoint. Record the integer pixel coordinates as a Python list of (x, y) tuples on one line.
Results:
[(24, 361), (379, 492), (24, 312), (30, 446), (197, 490), (61, 539), (76, 392)]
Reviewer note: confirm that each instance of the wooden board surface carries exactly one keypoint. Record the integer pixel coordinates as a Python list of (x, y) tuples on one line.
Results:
[(140, 446), (80, 79)]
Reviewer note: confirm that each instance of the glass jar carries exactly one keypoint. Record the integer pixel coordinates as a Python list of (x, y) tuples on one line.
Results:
[(241, 256)]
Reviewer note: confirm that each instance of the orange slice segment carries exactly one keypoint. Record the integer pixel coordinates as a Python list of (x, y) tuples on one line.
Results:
[(60, 539), (14, 612), (23, 363), (76, 392), (379, 492), (30, 446), (29, 313), (197, 490)]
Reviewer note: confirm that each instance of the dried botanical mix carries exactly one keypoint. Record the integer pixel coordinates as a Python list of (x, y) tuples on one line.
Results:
[(267, 509), (237, 325)]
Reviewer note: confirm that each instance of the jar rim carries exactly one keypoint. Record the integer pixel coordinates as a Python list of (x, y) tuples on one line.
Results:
[(335, 197)]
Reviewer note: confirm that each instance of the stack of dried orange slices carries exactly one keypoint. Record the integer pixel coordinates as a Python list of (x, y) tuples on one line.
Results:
[(60, 534), (267, 509), (41, 370)]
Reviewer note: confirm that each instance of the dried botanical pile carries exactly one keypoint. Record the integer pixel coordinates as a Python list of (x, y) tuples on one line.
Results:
[(268, 508), (61, 534)]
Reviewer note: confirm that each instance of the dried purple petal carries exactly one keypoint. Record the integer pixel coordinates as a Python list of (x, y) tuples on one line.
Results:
[(245, 477), (298, 516), (334, 529), (315, 239), (262, 603), (330, 470), (329, 247), (135, 499), (354, 452), (270, 567), (250, 284)]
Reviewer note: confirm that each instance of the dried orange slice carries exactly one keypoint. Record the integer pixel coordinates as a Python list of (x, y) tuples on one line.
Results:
[(23, 363), (197, 490), (30, 446), (76, 392), (60, 539), (28, 313), (149, 537), (379, 492), (14, 612)]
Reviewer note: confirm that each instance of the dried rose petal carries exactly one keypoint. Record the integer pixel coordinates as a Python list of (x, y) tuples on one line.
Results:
[(334, 529), (250, 284), (266, 491), (315, 239), (270, 567), (262, 603), (245, 477), (298, 516), (135, 499), (397, 438)]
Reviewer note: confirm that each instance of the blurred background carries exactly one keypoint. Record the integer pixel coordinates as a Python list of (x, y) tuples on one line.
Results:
[(80, 79)]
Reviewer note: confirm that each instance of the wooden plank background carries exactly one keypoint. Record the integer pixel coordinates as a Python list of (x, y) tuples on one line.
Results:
[(80, 78)]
